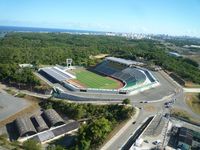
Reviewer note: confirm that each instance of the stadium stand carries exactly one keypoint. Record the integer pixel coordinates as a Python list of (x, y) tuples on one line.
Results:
[(135, 78), (105, 68), (55, 74), (121, 71), (149, 76), (126, 62)]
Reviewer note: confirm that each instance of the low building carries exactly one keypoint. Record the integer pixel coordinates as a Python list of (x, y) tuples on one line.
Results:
[(52, 118), (174, 54), (45, 127), (26, 65), (25, 126), (184, 138), (39, 123)]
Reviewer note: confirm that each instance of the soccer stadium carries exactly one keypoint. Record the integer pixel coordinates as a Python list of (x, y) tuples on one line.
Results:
[(112, 76)]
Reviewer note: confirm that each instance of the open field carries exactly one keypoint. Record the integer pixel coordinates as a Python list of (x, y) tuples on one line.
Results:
[(191, 85), (184, 115), (10, 105), (193, 102), (93, 80)]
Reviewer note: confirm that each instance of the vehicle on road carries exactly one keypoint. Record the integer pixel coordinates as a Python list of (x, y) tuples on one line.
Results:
[(134, 122), (166, 115), (156, 142)]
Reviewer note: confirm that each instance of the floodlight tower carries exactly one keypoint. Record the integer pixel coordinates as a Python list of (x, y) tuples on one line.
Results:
[(69, 62)]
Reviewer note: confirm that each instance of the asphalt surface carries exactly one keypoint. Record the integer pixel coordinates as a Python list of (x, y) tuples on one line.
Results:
[(132, 139), (10, 105), (168, 88)]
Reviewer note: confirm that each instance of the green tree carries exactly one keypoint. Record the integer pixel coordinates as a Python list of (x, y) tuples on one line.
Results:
[(94, 133), (199, 96), (126, 101), (55, 147), (31, 145)]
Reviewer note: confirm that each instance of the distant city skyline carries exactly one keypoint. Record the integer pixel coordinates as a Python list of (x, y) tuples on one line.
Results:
[(173, 17)]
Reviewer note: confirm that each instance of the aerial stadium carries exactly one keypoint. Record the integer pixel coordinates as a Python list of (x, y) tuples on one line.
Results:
[(112, 76)]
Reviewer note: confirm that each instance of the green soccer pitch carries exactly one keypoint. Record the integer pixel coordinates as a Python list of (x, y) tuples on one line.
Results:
[(93, 80)]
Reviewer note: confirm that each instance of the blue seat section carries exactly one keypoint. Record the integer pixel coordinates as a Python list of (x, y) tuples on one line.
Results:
[(106, 68), (131, 76), (149, 76)]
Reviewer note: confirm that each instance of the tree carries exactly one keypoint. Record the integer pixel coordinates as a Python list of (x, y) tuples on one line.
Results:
[(31, 145), (126, 101), (94, 133), (55, 147), (190, 61)]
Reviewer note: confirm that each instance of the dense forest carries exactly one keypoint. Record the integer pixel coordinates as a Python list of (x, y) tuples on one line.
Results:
[(54, 48)]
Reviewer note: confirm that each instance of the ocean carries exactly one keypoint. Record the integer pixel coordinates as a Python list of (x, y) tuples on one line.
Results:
[(55, 30)]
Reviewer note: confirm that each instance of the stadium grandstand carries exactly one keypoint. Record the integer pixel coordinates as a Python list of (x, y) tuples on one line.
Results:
[(113, 75), (55, 74), (123, 70)]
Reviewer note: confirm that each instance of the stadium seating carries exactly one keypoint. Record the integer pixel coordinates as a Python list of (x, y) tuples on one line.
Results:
[(53, 74), (131, 76), (105, 68), (149, 76)]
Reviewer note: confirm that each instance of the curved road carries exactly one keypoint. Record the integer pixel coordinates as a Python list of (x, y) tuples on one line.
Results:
[(175, 92)]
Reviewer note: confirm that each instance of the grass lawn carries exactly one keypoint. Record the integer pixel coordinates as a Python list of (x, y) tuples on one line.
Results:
[(184, 114), (193, 102), (192, 85), (93, 80)]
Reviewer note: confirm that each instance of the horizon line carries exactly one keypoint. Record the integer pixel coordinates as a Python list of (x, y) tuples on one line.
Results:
[(100, 31)]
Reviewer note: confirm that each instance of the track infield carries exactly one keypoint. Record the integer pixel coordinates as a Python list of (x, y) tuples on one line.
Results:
[(92, 80)]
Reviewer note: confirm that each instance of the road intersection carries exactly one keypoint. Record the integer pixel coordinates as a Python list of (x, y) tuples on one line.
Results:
[(174, 92)]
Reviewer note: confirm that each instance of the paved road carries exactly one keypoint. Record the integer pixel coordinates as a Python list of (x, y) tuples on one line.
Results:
[(44, 96), (122, 138), (191, 90), (180, 103), (168, 89), (122, 130)]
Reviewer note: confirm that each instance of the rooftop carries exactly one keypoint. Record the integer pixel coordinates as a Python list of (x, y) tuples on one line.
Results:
[(123, 61)]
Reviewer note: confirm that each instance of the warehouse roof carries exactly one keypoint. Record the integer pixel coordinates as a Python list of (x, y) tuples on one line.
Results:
[(39, 123), (123, 61), (57, 73), (52, 118), (25, 126)]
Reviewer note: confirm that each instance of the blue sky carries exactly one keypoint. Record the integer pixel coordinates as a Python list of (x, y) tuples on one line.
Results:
[(174, 17)]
